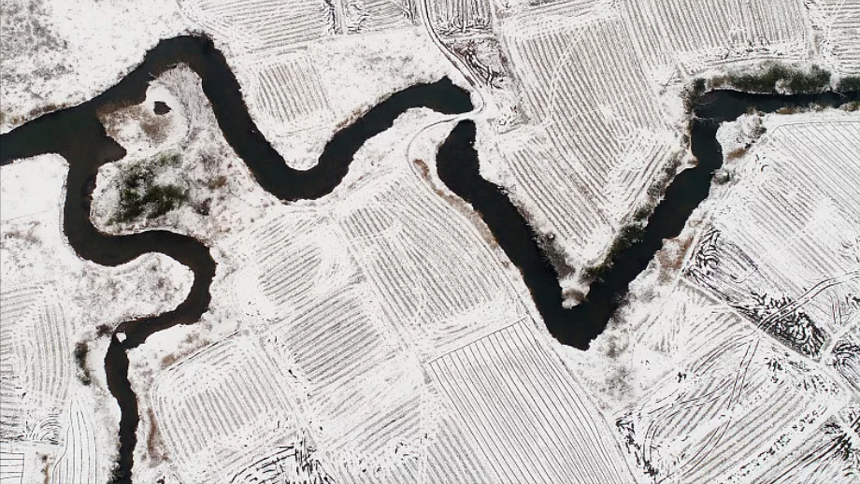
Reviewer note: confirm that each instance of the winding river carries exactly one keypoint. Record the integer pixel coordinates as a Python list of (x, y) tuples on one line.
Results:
[(77, 135)]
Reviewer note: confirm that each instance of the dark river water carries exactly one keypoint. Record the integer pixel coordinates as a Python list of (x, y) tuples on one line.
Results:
[(77, 135), (458, 168)]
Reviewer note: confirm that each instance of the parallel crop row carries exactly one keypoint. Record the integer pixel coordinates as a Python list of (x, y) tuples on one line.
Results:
[(385, 14), (78, 461), (257, 25), (221, 406), (290, 92), (427, 265), (289, 251), (35, 363), (717, 422), (844, 16), (781, 246), (519, 417), (11, 466), (460, 16), (341, 322), (586, 79), (697, 34)]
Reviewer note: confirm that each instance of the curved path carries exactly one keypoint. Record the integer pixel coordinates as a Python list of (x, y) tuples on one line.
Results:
[(78, 136)]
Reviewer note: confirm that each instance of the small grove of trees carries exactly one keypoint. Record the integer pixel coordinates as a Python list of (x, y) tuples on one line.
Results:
[(633, 231), (693, 93), (140, 196), (771, 79), (848, 84), (554, 253), (776, 76), (628, 236)]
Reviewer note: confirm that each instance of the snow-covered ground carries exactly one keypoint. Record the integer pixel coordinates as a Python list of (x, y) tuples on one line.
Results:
[(306, 300), (402, 344), (56, 53), (688, 332), (53, 302)]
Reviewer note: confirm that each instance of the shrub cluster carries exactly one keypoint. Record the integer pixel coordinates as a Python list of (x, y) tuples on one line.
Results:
[(140, 196), (796, 81), (848, 84), (628, 236), (81, 352), (693, 93)]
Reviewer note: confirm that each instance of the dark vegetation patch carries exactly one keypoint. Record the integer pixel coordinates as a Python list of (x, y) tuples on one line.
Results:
[(81, 352), (787, 110), (848, 84), (723, 176), (627, 236), (140, 195), (772, 78), (155, 127), (554, 253), (116, 114), (154, 446), (693, 93), (216, 182), (634, 229), (793, 327), (737, 153), (852, 106), (643, 212)]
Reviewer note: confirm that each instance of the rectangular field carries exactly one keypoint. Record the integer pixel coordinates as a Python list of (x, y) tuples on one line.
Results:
[(517, 415)]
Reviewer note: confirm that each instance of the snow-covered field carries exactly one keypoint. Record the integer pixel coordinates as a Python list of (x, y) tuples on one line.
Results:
[(378, 334), (58, 418), (737, 348), (362, 355)]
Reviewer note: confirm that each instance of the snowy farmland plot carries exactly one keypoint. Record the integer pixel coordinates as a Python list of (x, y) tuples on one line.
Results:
[(365, 320), (56, 415), (752, 319), (783, 247)]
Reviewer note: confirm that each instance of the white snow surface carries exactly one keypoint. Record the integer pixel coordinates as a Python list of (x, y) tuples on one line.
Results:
[(673, 332), (60, 53), (401, 375), (77, 296)]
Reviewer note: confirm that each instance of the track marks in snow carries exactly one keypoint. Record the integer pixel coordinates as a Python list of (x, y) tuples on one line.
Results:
[(790, 225), (426, 264), (218, 408), (736, 401)]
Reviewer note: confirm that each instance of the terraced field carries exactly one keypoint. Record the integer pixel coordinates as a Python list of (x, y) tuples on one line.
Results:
[(516, 415)]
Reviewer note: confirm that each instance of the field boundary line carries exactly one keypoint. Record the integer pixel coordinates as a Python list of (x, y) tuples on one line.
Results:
[(482, 337)]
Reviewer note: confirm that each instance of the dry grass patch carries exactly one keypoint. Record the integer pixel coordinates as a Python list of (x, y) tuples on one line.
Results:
[(736, 153)]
